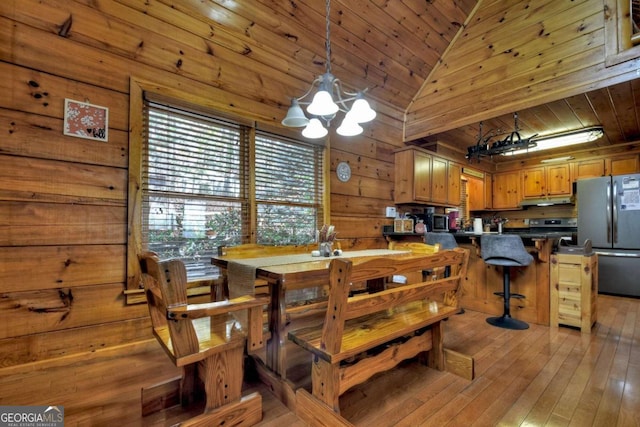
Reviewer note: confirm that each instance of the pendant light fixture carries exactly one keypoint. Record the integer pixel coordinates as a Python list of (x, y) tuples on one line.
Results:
[(328, 100)]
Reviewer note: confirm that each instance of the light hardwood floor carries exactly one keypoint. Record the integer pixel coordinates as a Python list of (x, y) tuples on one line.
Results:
[(538, 377)]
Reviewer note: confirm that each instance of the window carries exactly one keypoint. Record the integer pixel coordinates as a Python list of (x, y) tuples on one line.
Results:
[(197, 176)]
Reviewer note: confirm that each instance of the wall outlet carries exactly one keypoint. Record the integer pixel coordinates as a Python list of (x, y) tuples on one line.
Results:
[(390, 212)]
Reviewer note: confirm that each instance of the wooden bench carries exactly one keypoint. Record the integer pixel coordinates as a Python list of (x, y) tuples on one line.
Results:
[(207, 341), (370, 333)]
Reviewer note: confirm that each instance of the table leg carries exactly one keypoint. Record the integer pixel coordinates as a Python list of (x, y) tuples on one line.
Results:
[(276, 352)]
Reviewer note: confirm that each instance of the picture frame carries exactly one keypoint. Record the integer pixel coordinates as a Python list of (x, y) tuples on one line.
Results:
[(84, 120)]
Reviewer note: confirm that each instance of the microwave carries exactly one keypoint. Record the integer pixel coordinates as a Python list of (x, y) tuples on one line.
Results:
[(439, 222)]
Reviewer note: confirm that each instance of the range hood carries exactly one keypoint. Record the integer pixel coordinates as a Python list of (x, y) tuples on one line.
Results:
[(548, 201)]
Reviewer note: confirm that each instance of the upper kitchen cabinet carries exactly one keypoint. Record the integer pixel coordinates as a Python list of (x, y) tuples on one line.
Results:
[(478, 190), (421, 177), (622, 165), (506, 190), (588, 169), (412, 176), (546, 181)]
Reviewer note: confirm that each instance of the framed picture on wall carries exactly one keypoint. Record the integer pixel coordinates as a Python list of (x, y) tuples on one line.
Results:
[(84, 120)]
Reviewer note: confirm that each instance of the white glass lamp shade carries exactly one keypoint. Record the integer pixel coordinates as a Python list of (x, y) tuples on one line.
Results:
[(322, 104), (314, 130), (361, 112), (349, 127), (295, 116)]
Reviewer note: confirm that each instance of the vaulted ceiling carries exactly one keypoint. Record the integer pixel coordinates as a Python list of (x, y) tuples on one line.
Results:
[(443, 66), (400, 48)]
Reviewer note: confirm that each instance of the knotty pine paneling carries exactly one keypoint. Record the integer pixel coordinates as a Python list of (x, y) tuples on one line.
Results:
[(41, 311), (509, 67), (32, 268), (31, 135), (36, 224), (41, 347), (22, 179)]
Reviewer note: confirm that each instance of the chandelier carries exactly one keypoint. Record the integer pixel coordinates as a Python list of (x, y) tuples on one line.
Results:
[(329, 98)]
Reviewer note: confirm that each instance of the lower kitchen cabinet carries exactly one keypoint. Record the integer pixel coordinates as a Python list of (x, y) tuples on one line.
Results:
[(574, 290)]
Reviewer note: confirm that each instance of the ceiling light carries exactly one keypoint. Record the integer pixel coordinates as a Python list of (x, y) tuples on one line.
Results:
[(327, 101), (563, 139)]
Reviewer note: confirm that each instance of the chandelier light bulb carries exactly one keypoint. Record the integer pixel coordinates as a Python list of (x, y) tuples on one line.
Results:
[(314, 130), (361, 112), (295, 116), (349, 127), (322, 104)]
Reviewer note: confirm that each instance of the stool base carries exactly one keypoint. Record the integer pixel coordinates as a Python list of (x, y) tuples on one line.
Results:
[(507, 322)]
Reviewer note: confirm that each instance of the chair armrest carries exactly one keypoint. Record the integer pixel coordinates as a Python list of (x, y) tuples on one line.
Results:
[(195, 311)]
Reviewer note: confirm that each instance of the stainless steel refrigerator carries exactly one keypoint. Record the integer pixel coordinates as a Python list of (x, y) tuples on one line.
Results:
[(609, 215)]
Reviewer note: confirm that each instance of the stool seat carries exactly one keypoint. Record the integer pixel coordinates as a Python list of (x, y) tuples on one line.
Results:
[(446, 240), (505, 250)]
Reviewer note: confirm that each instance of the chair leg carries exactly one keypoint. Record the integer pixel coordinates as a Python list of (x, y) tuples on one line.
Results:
[(506, 321), (222, 376)]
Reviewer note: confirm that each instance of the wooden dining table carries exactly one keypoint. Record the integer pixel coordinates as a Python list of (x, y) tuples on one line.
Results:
[(287, 273)]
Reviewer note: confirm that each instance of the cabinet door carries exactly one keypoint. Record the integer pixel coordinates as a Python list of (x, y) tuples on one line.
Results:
[(534, 183), (475, 193), (439, 180), (588, 169), (559, 180), (506, 190), (422, 177), (453, 183), (624, 165)]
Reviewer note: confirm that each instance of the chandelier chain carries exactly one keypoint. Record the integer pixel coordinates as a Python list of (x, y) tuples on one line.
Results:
[(328, 38)]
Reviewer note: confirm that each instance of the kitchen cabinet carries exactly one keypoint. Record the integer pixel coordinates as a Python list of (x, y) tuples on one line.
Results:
[(478, 192), (412, 176), (543, 181), (454, 176), (622, 165), (421, 177), (588, 169), (506, 190)]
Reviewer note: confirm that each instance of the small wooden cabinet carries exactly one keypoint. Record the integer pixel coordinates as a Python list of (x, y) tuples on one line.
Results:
[(544, 181), (574, 290), (478, 192), (506, 190), (622, 165), (421, 177), (588, 169)]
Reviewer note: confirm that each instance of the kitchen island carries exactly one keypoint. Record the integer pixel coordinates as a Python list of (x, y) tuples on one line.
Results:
[(483, 280)]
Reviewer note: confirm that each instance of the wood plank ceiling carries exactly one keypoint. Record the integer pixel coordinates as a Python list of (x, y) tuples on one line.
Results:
[(392, 46)]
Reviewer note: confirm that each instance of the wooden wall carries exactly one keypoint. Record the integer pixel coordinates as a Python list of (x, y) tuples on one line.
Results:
[(63, 200), (516, 55)]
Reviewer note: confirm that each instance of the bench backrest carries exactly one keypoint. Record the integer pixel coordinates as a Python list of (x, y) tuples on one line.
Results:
[(343, 272)]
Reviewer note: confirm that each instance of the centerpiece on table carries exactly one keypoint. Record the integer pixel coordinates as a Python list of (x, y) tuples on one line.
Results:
[(326, 237)]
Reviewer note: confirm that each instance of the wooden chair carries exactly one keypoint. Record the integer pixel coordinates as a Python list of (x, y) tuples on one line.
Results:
[(206, 341)]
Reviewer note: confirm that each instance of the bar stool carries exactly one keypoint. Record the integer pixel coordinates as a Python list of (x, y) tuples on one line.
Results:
[(446, 241), (506, 250)]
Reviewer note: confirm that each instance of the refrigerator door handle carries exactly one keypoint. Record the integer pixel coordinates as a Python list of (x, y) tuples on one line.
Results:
[(614, 206), (618, 254), (608, 213)]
